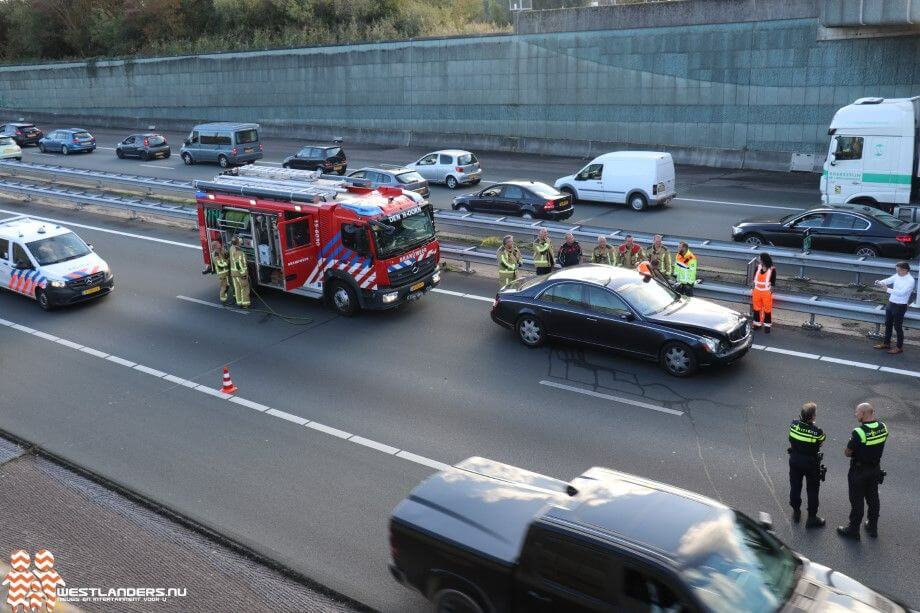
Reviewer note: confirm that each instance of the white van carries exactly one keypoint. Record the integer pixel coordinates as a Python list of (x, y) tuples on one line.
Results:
[(640, 178), (872, 157), (50, 264)]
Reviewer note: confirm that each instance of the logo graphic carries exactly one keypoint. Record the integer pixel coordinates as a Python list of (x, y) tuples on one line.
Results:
[(30, 590), (879, 150)]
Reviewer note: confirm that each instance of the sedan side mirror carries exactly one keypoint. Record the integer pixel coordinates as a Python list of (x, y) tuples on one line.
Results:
[(188, 141), (90, 245), (627, 316)]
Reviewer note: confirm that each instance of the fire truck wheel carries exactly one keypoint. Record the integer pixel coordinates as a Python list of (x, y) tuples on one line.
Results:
[(343, 299), (222, 161), (451, 182)]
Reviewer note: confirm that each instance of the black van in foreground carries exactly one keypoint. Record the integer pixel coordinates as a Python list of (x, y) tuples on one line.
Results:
[(485, 536)]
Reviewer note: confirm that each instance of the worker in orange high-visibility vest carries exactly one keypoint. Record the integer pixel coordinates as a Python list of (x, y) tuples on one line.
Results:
[(762, 295)]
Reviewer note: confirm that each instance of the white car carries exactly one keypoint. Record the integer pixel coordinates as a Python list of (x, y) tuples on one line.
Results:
[(638, 178), (452, 167), (9, 150), (50, 264)]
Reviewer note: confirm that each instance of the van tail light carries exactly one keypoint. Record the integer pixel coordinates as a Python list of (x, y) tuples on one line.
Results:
[(233, 151), (73, 138), (904, 238), (459, 168), (549, 205), (146, 142)]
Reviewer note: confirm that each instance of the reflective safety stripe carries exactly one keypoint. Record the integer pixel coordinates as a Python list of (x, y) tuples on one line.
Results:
[(762, 279), (804, 435), (876, 434)]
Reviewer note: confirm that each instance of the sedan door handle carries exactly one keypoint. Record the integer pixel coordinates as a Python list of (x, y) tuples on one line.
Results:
[(591, 319)]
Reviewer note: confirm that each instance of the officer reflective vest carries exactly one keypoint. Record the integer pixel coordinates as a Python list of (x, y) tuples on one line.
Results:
[(664, 259), (508, 260), (762, 279), (603, 256), (685, 268), (869, 442), (805, 438), (221, 264), (238, 262), (542, 251)]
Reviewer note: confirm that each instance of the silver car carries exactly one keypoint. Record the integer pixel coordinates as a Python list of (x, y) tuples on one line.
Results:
[(393, 176), (452, 167)]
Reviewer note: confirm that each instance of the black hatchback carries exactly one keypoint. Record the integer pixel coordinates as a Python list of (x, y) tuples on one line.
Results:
[(615, 308), (23, 133), (527, 199), (327, 159), (848, 228), (143, 146)]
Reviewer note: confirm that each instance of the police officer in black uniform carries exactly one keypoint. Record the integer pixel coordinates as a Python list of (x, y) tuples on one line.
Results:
[(805, 462), (865, 452)]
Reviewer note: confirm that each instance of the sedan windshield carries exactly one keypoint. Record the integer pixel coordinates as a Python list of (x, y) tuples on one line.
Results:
[(409, 177), (467, 158), (647, 298), (58, 249), (393, 236), (733, 565)]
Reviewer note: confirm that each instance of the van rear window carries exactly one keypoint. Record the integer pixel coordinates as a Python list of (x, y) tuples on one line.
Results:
[(244, 137), (468, 158)]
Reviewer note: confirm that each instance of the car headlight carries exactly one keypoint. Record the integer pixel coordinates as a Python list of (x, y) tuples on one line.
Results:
[(391, 297), (57, 284), (436, 277), (711, 344), (736, 229)]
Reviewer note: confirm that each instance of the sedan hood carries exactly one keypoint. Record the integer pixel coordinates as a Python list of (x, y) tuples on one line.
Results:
[(823, 589), (700, 314), (75, 269), (760, 221)]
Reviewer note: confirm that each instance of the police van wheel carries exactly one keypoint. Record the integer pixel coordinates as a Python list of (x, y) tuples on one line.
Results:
[(343, 299), (187, 158), (678, 359), (455, 601), (530, 330), (42, 299), (637, 202)]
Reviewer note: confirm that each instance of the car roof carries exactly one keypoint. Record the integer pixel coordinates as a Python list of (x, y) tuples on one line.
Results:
[(26, 230), (598, 274), (72, 130), (646, 155), (18, 123), (526, 183), (389, 171), (454, 152), (652, 515), (225, 125)]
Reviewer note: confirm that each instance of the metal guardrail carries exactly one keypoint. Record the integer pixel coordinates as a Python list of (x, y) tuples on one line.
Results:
[(79, 196), (710, 248), (854, 310), (99, 176)]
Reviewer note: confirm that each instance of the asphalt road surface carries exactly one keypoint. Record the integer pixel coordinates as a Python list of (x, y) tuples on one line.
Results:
[(709, 200), (336, 420)]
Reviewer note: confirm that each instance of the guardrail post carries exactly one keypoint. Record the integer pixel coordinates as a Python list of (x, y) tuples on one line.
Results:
[(877, 334), (811, 324)]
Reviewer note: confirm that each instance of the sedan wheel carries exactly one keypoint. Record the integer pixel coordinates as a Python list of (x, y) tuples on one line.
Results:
[(867, 251), (463, 208), (527, 215), (451, 182), (120, 154), (41, 147), (64, 149), (753, 239), (530, 331), (454, 601), (678, 359)]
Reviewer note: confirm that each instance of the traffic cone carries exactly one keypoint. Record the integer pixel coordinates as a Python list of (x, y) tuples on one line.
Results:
[(228, 387)]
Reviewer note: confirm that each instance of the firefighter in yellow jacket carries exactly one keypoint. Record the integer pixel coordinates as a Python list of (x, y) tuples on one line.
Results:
[(220, 262), (239, 272), (509, 260)]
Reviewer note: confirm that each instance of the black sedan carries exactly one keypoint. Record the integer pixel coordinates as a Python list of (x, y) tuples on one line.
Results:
[(143, 146), (23, 133), (327, 159), (849, 228), (528, 199), (614, 308)]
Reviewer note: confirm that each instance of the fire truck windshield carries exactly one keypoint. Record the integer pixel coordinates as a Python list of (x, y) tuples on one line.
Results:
[(401, 233)]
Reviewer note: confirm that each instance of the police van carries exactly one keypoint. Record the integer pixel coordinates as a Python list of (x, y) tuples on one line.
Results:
[(50, 264)]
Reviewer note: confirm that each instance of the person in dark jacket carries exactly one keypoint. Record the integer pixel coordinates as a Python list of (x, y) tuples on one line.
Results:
[(570, 252)]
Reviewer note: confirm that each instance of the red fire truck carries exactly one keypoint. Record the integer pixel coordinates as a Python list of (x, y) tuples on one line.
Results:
[(313, 235)]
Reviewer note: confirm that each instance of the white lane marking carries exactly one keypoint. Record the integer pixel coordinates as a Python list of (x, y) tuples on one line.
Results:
[(760, 347), (106, 148), (635, 403), (158, 166), (269, 163), (213, 305), (419, 459), (70, 224), (747, 204), (67, 343), (213, 392), (180, 381), (5, 322), (44, 335), (360, 440), (94, 352), (899, 371), (329, 430), (300, 421), (461, 295), (249, 404), (798, 354), (24, 329), (825, 358), (149, 371), (121, 361)]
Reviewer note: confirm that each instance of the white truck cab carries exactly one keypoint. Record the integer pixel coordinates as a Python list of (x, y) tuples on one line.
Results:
[(639, 178), (50, 264), (872, 156)]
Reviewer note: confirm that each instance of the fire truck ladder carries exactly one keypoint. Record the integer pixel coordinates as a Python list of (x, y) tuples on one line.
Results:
[(301, 189)]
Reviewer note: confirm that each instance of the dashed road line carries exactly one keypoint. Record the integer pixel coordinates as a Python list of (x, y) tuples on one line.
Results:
[(448, 292), (825, 358), (746, 204), (213, 305), (629, 401), (216, 393), (798, 354), (899, 371), (159, 166)]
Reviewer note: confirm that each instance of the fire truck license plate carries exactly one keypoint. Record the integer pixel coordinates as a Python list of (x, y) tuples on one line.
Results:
[(418, 285), (91, 290)]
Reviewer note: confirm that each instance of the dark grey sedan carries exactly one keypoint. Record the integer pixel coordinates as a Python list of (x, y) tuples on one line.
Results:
[(618, 309), (394, 176), (143, 146)]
